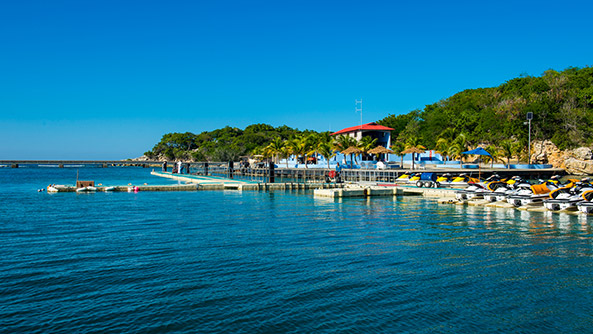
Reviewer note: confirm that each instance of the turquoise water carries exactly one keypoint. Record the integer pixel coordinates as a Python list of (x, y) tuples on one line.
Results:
[(280, 262)]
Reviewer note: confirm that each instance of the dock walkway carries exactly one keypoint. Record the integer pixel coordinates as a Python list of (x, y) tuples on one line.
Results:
[(220, 183)]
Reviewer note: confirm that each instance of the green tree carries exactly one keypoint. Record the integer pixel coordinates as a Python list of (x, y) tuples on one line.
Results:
[(398, 147), (275, 148), (366, 144), (459, 145), (326, 150)]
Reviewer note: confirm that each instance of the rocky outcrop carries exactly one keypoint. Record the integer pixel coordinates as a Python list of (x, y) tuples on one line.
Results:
[(578, 167), (546, 152), (142, 158), (576, 162), (579, 161)]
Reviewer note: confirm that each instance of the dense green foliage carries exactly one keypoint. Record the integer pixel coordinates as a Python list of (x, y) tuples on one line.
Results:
[(561, 103), (222, 144)]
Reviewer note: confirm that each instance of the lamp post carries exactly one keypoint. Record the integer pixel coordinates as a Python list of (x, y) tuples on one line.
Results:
[(529, 118)]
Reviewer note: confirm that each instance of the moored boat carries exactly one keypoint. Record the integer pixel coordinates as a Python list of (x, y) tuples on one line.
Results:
[(586, 206), (567, 197), (533, 194), (87, 189)]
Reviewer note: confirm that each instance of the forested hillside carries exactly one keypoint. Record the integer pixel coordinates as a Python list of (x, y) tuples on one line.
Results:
[(561, 103)]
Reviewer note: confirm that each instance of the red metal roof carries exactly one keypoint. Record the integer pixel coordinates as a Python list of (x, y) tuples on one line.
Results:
[(364, 127)]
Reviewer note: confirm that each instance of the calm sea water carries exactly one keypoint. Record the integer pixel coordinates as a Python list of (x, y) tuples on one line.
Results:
[(280, 262)]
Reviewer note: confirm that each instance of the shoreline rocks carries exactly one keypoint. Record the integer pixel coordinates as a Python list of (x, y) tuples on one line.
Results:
[(578, 161)]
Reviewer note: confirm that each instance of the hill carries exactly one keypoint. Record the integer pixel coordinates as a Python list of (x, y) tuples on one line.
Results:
[(561, 103)]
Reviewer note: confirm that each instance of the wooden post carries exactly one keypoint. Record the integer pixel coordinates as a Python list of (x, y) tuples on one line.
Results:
[(272, 176)]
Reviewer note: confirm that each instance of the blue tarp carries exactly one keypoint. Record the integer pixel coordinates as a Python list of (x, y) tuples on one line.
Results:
[(477, 151)]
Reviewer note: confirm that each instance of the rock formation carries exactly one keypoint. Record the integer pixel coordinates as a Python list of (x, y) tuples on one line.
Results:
[(576, 162)]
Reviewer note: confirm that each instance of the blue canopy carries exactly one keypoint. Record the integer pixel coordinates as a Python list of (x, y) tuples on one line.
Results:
[(477, 151)]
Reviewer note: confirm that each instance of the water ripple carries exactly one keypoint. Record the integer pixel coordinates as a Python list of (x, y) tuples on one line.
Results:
[(255, 262)]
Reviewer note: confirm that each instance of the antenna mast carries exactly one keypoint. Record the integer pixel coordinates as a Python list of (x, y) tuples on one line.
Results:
[(358, 109)]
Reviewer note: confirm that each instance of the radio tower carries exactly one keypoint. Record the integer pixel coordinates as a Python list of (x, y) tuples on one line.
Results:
[(358, 109)]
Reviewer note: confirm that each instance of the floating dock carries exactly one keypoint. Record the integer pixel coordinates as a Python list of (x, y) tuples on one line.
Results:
[(180, 187), (369, 191), (202, 182)]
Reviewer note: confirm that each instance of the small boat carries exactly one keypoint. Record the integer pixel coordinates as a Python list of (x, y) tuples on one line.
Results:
[(513, 186), (533, 194), (444, 179), (460, 181), (54, 188), (567, 197), (404, 177), (586, 206), (111, 188), (473, 191), (86, 189), (414, 178), (495, 188), (476, 190)]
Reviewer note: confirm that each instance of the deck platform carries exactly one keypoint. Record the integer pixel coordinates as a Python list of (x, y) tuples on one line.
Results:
[(202, 182)]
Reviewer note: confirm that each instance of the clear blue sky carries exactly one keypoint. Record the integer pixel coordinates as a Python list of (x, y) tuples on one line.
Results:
[(106, 79)]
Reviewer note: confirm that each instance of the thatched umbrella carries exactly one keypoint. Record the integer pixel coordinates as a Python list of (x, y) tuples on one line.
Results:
[(352, 150), (380, 150), (413, 150)]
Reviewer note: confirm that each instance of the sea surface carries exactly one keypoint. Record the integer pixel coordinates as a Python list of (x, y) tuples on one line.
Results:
[(280, 262)]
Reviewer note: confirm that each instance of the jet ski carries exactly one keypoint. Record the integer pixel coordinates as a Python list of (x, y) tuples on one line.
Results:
[(405, 177), (414, 178), (586, 205), (500, 188), (567, 197), (533, 194)]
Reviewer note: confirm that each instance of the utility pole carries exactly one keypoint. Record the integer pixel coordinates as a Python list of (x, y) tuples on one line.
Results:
[(529, 118)]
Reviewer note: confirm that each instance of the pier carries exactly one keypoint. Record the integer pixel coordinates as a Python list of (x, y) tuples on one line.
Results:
[(283, 174), (203, 182)]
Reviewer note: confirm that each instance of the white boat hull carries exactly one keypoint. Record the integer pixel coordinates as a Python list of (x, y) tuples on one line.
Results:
[(585, 207)]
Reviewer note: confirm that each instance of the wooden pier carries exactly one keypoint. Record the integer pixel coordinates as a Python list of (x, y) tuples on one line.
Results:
[(293, 175)]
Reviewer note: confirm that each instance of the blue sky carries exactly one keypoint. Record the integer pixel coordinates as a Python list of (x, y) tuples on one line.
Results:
[(106, 79)]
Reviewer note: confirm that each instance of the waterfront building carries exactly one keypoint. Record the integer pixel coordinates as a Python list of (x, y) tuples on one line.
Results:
[(373, 130)]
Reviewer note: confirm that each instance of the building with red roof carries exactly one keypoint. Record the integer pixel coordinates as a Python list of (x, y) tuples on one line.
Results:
[(373, 130)]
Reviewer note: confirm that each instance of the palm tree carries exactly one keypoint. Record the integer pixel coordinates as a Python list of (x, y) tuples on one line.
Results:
[(507, 150), (301, 146), (326, 150), (366, 144), (442, 147), (342, 143), (413, 143), (275, 148), (493, 150), (286, 152), (458, 146), (397, 149), (519, 149)]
